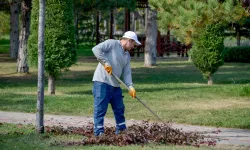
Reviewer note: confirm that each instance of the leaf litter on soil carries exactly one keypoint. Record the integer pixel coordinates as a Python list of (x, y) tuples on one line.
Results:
[(143, 133)]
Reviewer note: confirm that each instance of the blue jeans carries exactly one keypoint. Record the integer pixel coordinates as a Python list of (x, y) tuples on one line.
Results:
[(103, 95)]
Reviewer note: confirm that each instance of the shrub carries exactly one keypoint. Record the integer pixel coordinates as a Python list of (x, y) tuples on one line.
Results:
[(237, 54), (207, 51), (60, 48)]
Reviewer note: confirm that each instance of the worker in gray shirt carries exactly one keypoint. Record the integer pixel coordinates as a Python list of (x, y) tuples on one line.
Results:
[(106, 89)]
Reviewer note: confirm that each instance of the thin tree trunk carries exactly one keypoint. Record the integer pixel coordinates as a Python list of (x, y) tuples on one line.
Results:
[(146, 17), (133, 22), (111, 33), (51, 85), (151, 40), (40, 84), (22, 64), (238, 35), (114, 22), (210, 80), (97, 28), (14, 34), (76, 29)]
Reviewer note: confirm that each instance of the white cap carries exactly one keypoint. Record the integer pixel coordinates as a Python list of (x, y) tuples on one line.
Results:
[(131, 35)]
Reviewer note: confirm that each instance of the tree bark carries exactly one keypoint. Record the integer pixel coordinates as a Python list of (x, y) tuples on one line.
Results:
[(238, 34), (76, 21), (133, 22), (51, 85), (97, 28), (151, 40), (22, 64), (111, 33), (14, 22), (40, 84), (210, 80)]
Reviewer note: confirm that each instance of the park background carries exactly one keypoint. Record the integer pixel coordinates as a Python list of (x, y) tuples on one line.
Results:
[(169, 82)]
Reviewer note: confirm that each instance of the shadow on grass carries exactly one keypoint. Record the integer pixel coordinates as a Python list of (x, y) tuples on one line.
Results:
[(27, 80), (141, 90), (162, 74), (18, 102), (5, 58), (88, 92)]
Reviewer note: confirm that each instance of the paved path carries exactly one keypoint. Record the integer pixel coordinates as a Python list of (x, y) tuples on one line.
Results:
[(227, 135)]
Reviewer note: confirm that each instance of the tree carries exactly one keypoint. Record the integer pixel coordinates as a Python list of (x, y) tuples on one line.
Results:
[(22, 64), (14, 23), (207, 51), (40, 84), (60, 49), (99, 8), (151, 39), (4, 23), (190, 20)]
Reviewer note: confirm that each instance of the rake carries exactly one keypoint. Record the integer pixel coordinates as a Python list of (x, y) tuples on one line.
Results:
[(121, 82)]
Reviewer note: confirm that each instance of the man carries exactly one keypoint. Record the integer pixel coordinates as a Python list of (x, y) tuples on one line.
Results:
[(116, 58)]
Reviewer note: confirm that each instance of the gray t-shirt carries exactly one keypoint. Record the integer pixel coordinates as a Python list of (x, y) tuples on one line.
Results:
[(112, 54)]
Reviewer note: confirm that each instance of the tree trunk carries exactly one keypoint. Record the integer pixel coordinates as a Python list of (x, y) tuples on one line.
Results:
[(76, 21), (51, 85), (133, 22), (22, 64), (151, 40), (210, 80), (97, 28), (238, 35), (146, 18), (14, 22), (111, 33), (40, 84)]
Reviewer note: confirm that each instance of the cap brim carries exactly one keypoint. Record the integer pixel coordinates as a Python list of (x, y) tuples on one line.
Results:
[(137, 42)]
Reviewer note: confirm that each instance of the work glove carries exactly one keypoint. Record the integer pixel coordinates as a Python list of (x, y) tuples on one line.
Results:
[(132, 91), (108, 69)]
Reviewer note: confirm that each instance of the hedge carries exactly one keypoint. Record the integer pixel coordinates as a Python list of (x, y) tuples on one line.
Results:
[(237, 54)]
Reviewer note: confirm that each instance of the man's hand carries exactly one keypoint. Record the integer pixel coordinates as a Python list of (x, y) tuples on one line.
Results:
[(108, 69), (132, 92)]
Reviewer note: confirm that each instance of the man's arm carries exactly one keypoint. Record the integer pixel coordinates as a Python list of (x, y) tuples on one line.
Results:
[(100, 51)]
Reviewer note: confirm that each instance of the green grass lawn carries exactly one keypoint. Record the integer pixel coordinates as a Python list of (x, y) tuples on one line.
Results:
[(85, 50), (22, 137), (82, 51), (4, 44), (175, 90)]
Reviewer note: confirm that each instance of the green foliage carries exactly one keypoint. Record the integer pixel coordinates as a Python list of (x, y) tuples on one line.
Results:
[(187, 18), (237, 54), (60, 51), (199, 23), (208, 49), (90, 5), (4, 24)]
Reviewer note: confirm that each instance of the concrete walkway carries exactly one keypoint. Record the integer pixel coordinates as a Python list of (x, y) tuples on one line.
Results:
[(226, 135)]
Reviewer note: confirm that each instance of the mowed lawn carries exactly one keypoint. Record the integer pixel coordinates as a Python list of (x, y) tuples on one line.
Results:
[(174, 89)]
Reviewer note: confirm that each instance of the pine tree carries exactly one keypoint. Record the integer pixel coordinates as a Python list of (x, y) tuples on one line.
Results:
[(190, 22)]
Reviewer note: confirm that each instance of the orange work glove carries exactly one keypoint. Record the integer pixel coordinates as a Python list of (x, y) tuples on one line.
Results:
[(132, 92), (108, 69)]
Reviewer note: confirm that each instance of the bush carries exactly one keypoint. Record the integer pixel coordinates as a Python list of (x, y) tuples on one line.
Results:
[(237, 54), (60, 46), (207, 51)]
